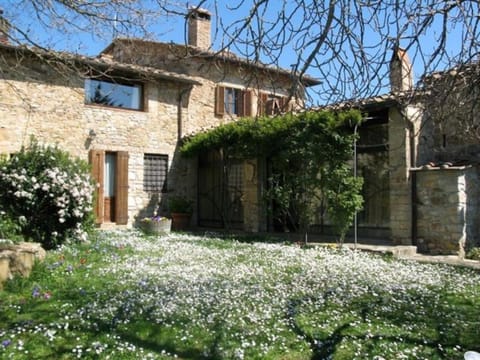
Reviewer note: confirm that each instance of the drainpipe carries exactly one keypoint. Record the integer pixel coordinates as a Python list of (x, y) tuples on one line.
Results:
[(413, 179), (355, 225), (181, 94)]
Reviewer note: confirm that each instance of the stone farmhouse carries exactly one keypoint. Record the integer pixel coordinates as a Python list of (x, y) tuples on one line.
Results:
[(418, 154), (127, 110)]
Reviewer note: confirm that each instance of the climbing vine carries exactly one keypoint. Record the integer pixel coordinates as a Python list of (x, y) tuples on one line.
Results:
[(308, 155)]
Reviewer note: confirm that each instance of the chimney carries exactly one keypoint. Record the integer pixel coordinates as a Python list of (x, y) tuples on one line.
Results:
[(4, 29), (401, 73), (199, 28)]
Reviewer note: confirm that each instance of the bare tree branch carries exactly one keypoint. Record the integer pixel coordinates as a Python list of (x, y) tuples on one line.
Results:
[(345, 43)]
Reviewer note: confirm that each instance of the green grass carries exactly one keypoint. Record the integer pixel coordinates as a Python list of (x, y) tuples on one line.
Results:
[(128, 296)]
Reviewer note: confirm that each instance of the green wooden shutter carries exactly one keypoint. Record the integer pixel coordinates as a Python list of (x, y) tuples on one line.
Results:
[(121, 191), (97, 162)]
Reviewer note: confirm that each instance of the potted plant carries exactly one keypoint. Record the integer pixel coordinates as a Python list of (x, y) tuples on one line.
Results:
[(156, 225), (181, 211)]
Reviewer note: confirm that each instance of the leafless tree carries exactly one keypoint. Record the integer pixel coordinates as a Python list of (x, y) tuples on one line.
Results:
[(345, 43)]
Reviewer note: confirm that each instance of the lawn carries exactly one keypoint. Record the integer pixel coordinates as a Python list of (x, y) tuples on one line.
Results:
[(128, 296)]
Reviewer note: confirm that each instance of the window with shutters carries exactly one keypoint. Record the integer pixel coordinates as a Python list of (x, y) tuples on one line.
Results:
[(270, 104), (155, 168), (233, 101)]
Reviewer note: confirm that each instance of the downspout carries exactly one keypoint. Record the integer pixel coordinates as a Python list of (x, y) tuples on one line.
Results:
[(181, 95), (355, 222), (180, 99), (413, 179)]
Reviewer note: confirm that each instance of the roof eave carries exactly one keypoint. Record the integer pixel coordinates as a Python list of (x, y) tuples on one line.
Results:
[(201, 53), (101, 64)]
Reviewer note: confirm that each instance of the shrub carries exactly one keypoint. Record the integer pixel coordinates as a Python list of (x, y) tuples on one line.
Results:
[(9, 228), (474, 253), (47, 193), (179, 204)]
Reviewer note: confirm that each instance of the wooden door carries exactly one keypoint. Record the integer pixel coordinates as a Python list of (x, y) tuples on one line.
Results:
[(110, 172), (109, 186)]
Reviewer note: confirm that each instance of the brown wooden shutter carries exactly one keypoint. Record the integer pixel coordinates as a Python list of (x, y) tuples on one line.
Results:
[(97, 162), (121, 191), (248, 103), (282, 103), (262, 106), (240, 99), (220, 100)]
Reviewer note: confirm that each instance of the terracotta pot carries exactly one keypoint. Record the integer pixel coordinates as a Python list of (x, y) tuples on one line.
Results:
[(180, 221)]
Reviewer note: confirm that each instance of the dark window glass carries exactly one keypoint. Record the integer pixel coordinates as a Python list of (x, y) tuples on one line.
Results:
[(108, 93), (155, 168), (231, 100)]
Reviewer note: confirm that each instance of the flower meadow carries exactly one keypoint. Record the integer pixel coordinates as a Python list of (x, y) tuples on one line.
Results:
[(124, 295)]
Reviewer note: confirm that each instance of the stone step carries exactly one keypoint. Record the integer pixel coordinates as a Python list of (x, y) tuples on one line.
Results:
[(398, 251)]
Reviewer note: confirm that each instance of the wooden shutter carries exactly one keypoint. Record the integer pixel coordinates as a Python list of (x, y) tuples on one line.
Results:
[(121, 190), (220, 100), (262, 106), (248, 103), (240, 99), (282, 104), (97, 162)]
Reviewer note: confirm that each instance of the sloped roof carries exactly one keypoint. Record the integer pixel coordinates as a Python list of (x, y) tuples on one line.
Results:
[(371, 103), (100, 63), (226, 56), (472, 68)]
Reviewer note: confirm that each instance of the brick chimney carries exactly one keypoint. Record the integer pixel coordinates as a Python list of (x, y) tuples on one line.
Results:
[(199, 28), (4, 29), (401, 72)]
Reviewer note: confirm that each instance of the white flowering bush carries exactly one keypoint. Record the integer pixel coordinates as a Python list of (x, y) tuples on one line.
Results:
[(9, 229), (48, 193)]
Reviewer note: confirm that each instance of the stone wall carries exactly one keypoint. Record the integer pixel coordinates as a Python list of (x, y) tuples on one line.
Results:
[(41, 102), (453, 107), (400, 128), (207, 70), (199, 112), (447, 208)]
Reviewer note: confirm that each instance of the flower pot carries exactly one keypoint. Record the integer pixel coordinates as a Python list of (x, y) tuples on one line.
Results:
[(180, 221), (157, 227)]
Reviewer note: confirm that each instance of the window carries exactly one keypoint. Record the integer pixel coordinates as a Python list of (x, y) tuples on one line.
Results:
[(155, 168), (233, 101), (270, 104), (109, 175), (110, 93)]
